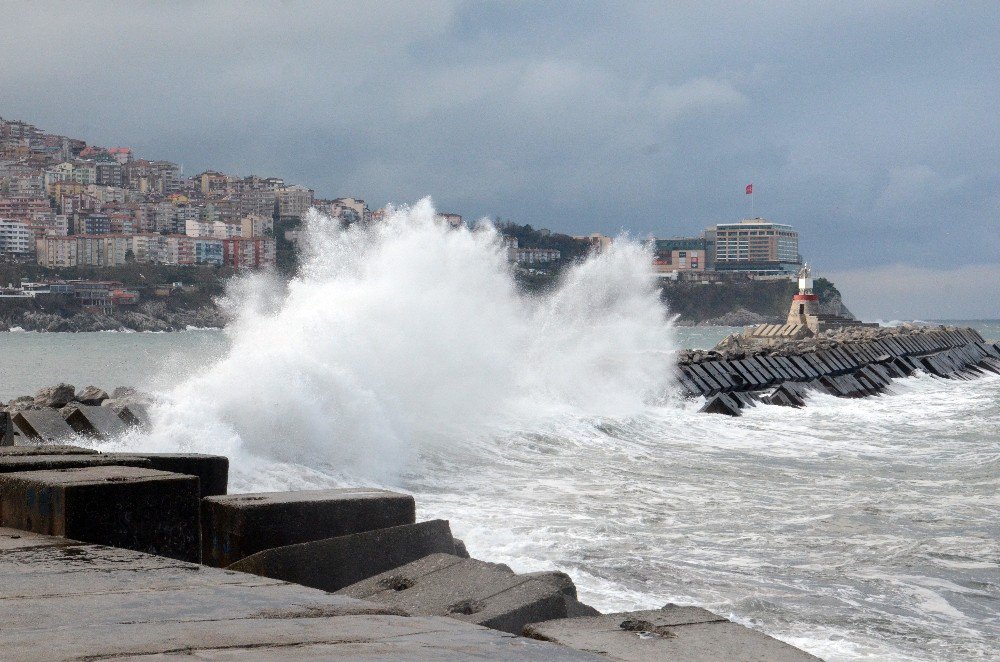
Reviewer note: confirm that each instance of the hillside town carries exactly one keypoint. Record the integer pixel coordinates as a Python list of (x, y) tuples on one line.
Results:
[(68, 205)]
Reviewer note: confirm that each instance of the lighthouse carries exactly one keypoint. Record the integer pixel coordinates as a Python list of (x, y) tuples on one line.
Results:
[(805, 304)]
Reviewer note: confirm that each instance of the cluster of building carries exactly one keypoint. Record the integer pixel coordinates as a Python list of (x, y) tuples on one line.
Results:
[(65, 203), (753, 247)]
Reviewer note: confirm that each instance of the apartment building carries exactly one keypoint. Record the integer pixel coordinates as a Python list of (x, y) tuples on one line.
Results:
[(16, 238)]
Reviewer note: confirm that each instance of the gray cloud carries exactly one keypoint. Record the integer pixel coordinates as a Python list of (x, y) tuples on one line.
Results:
[(869, 126)]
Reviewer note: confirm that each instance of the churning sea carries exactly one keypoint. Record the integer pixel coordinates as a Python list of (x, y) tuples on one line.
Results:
[(549, 433)]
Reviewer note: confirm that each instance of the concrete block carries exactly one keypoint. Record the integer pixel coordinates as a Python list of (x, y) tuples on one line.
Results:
[(786, 397), (238, 525), (212, 470), (335, 563), (17, 463), (6, 430), (131, 507), (473, 591), (699, 371), (95, 421), (749, 378), (134, 414), (723, 403), (42, 425), (671, 633), (46, 449)]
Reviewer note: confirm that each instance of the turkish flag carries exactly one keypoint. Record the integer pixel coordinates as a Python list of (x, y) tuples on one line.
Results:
[(749, 189)]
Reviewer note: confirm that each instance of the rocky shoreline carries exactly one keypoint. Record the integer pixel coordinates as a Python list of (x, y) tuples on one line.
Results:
[(151, 316)]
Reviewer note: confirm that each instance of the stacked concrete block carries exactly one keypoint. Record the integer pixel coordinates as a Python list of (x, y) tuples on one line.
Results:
[(335, 563), (212, 470), (130, 507), (43, 425), (94, 421), (238, 525), (469, 590), (671, 633)]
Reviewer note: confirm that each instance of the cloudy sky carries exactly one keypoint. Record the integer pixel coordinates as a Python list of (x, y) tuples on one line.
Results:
[(872, 127)]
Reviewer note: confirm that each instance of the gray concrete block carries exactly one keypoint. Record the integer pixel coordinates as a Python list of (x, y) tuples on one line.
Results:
[(671, 633), (238, 525), (722, 403), (212, 470), (64, 600), (95, 421), (46, 449), (6, 430), (473, 591), (26, 462), (130, 507), (42, 425), (335, 563), (134, 414)]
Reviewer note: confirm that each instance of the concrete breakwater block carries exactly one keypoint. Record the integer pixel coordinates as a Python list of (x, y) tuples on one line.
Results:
[(17, 463), (238, 525), (335, 563), (723, 403), (46, 449), (469, 590), (672, 633), (63, 600), (95, 421), (131, 507), (212, 470), (6, 430), (42, 425)]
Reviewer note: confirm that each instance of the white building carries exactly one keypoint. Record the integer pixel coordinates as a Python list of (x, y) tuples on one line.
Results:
[(16, 238)]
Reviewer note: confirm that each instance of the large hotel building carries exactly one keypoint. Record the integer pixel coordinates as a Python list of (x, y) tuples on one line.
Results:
[(754, 246)]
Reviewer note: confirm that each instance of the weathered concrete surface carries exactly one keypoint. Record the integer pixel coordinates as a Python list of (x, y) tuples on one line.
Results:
[(64, 600), (335, 563), (42, 425), (473, 591), (129, 507), (212, 470), (46, 449), (672, 633), (36, 462), (95, 421), (238, 525)]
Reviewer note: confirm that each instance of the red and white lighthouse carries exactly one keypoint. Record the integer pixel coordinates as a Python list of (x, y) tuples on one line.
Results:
[(805, 304)]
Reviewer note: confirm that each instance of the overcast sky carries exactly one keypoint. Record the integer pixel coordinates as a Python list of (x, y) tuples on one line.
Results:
[(872, 127)]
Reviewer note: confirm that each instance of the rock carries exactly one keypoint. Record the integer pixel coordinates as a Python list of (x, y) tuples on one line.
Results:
[(238, 525), (124, 392), (91, 396), (130, 507), (55, 396), (671, 633), (335, 563)]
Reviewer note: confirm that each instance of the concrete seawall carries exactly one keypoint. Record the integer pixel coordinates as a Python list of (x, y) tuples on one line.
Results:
[(853, 363), (107, 556)]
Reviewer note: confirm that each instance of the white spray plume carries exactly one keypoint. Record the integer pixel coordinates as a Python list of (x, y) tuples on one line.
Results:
[(407, 333)]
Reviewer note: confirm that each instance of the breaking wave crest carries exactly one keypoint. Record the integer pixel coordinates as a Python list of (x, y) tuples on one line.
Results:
[(407, 333)]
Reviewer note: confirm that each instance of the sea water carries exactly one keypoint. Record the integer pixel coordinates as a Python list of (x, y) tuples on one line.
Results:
[(548, 432)]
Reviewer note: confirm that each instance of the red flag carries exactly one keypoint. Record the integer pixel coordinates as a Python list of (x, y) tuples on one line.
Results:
[(749, 189)]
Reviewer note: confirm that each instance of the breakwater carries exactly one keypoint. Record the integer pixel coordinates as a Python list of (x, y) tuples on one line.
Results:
[(744, 370), (120, 555)]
